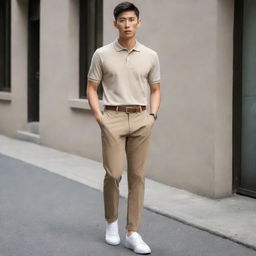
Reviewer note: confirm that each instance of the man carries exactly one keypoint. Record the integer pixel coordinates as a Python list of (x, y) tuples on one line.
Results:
[(127, 69)]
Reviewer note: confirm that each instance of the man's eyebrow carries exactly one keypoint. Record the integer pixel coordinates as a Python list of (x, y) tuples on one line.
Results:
[(127, 18)]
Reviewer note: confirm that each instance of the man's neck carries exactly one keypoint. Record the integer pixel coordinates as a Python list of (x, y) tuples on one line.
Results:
[(127, 43)]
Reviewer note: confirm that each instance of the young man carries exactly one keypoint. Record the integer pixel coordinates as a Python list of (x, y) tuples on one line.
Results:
[(127, 69)]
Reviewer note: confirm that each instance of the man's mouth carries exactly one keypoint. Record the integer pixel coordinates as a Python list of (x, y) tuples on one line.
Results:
[(127, 31)]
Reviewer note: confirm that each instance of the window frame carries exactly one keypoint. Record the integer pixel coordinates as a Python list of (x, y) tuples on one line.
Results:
[(6, 36)]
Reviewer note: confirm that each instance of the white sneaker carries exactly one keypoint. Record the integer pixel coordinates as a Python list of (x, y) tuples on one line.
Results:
[(135, 242), (112, 236)]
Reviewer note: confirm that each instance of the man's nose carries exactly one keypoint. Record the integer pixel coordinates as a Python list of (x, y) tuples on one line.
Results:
[(127, 25)]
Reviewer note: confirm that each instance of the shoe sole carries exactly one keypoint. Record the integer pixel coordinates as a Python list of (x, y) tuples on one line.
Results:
[(112, 243), (142, 253)]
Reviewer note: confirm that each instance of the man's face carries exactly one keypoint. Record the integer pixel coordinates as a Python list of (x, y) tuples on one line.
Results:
[(127, 24)]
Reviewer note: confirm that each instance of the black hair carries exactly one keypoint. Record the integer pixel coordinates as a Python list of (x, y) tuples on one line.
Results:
[(125, 6)]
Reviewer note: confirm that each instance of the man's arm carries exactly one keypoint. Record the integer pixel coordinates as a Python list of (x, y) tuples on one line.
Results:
[(93, 99), (155, 97)]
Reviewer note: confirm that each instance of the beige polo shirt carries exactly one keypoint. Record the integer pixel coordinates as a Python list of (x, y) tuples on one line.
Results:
[(125, 75)]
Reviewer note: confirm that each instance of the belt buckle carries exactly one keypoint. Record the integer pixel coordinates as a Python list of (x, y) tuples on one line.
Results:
[(127, 107), (133, 107)]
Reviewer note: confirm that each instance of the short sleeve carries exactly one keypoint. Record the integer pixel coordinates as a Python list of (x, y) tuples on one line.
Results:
[(154, 73), (95, 70)]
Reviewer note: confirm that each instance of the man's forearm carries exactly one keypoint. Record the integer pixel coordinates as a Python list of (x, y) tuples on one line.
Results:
[(93, 100), (155, 98)]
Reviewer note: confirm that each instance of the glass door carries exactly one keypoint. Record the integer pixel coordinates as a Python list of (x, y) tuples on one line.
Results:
[(246, 175)]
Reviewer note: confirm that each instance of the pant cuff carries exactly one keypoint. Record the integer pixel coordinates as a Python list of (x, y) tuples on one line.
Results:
[(112, 219), (132, 228)]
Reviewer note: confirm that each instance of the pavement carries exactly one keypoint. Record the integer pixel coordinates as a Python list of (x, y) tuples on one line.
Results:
[(51, 204)]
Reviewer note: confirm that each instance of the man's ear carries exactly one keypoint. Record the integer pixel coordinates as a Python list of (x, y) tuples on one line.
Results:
[(139, 22), (114, 23)]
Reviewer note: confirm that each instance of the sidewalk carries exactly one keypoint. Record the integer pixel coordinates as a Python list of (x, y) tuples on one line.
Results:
[(232, 218)]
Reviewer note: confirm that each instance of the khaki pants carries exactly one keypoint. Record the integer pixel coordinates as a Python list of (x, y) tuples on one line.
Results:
[(130, 133)]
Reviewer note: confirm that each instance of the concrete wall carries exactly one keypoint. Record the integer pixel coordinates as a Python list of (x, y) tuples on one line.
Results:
[(192, 140), (61, 126), (223, 99), (13, 112), (191, 144)]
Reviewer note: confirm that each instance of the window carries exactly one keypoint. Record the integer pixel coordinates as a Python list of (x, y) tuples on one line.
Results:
[(5, 45), (91, 30)]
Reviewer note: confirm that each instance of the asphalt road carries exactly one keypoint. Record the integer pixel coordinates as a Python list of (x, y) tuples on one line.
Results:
[(45, 214)]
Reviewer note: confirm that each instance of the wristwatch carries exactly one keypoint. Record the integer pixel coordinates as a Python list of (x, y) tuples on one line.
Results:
[(154, 115)]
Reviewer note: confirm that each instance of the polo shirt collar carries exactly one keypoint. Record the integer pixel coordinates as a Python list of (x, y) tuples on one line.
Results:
[(118, 47)]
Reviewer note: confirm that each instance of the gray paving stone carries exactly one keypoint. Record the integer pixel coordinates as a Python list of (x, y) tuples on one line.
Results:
[(45, 214)]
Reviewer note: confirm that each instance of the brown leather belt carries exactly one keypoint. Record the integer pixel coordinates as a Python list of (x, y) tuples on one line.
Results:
[(126, 108)]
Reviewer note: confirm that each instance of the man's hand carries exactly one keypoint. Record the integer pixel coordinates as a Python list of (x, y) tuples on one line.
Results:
[(98, 118), (93, 99)]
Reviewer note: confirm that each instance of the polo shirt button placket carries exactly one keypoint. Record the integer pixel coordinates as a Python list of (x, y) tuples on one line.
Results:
[(127, 57)]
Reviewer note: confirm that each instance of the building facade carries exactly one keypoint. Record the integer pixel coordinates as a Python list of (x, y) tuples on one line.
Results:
[(204, 139)]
